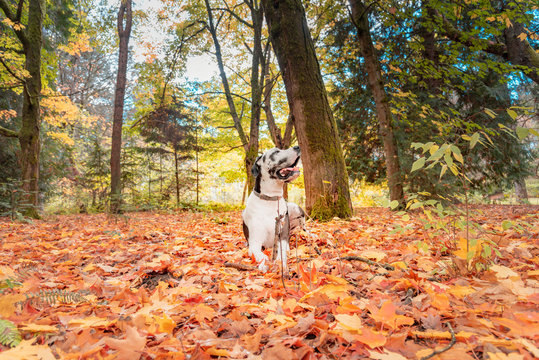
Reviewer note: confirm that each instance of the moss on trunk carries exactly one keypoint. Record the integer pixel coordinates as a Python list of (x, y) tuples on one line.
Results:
[(31, 122), (326, 179)]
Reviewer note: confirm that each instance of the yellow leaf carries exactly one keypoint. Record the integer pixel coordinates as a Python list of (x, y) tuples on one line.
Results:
[(39, 328), (26, 351), (91, 321), (280, 319), (349, 322), (440, 301), (503, 272), (7, 304), (165, 323), (330, 290), (399, 265), (374, 255), (533, 273), (217, 352), (461, 291)]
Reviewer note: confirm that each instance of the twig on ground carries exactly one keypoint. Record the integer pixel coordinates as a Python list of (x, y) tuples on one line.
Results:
[(449, 346), (368, 261), (239, 266)]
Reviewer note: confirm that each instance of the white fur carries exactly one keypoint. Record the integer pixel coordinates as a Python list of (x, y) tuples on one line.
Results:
[(260, 215)]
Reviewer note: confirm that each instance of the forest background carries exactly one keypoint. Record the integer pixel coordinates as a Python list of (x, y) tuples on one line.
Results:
[(457, 82), (424, 109)]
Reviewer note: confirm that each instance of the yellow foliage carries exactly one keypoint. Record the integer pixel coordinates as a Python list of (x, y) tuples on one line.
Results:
[(61, 137), (78, 45), (59, 110), (365, 194)]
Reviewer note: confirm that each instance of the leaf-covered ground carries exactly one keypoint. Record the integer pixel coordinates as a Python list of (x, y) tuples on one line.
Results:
[(155, 286)]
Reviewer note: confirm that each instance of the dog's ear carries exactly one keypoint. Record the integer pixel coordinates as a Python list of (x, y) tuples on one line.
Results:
[(255, 170)]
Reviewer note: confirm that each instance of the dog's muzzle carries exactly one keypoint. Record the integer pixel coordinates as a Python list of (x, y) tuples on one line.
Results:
[(290, 172)]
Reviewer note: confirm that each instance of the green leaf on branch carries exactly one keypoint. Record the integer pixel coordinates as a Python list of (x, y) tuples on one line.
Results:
[(457, 154), (490, 113), (522, 133), (444, 169), (512, 113), (418, 164), (473, 140)]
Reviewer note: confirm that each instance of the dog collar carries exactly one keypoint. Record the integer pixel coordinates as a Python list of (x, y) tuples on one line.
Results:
[(266, 197)]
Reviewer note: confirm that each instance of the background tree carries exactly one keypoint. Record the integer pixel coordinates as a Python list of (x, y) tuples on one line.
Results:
[(376, 83), (30, 40), (172, 125), (326, 179), (124, 32)]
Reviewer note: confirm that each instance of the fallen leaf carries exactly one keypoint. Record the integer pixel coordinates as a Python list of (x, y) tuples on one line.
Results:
[(26, 351), (129, 348)]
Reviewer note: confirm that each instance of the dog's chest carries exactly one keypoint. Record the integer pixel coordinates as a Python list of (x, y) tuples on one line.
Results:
[(260, 215)]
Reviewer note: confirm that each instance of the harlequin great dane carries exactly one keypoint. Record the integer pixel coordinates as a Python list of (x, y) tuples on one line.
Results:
[(268, 218)]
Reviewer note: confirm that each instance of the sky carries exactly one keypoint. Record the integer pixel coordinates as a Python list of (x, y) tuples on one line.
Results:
[(198, 68)]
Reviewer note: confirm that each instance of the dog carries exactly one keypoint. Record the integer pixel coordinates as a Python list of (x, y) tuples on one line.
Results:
[(268, 218)]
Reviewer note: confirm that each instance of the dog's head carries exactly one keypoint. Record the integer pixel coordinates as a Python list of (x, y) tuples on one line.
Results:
[(277, 165)]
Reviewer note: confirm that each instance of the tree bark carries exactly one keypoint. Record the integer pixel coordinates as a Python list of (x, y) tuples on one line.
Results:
[(177, 174), (326, 179), (521, 193), (124, 32), (376, 83), (28, 135)]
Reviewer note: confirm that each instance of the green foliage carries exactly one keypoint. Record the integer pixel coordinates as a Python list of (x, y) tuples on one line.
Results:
[(54, 296), (439, 91), (9, 334)]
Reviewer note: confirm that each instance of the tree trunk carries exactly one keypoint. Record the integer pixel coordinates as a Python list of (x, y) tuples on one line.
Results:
[(31, 123), (250, 145), (196, 159), (326, 179), (28, 135), (124, 31), (394, 179), (177, 178), (521, 193)]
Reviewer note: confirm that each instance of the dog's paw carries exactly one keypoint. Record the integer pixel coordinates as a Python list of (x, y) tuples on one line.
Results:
[(263, 267)]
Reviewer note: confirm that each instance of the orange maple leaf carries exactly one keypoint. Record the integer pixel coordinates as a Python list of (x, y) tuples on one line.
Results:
[(129, 348), (387, 315)]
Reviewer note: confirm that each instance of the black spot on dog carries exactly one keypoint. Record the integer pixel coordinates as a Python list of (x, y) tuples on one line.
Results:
[(257, 183), (273, 154), (255, 170), (246, 231)]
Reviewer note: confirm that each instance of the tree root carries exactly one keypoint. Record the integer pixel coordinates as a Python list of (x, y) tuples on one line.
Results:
[(449, 346), (370, 262), (240, 266)]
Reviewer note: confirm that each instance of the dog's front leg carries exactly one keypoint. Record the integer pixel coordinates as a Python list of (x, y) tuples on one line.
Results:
[(255, 249), (282, 252)]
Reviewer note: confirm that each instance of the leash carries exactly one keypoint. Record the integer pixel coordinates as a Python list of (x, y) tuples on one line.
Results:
[(282, 222)]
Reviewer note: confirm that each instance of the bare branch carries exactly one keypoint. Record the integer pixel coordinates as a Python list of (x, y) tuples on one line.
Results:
[(368, 261), (449, 346)]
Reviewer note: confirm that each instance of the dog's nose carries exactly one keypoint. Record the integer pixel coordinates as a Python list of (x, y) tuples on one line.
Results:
[(296, 148)]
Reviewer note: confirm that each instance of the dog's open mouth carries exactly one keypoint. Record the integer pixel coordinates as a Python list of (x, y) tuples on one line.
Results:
[(289, 173)]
